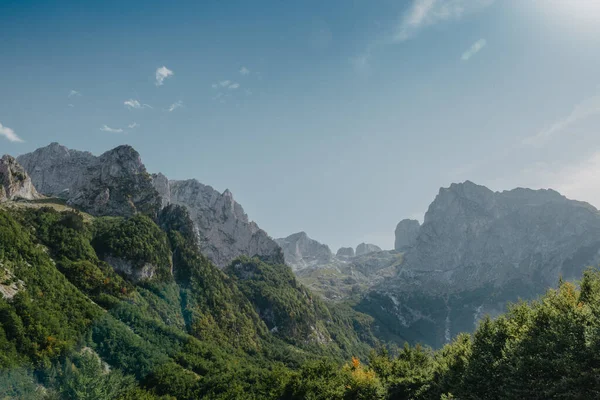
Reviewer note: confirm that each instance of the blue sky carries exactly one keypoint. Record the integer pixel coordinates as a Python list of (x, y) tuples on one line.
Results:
[(338, 118)]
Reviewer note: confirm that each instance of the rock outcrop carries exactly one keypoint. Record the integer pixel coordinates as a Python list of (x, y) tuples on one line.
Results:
[(223, 228), (366, 248), (300, 251), (345, 252), (15, 183), (406, 233), (115, 183)]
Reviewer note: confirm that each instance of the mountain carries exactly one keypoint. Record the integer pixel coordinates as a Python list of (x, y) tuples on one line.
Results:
[(117, 183), (223, 228), (406, 234), (476, 251), (14, 181), (366, 248), (126, 307), (301, 252), (345, 252)]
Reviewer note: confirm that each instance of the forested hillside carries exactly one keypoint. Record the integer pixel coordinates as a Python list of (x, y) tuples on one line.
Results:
[(114, 307), (73, 327)]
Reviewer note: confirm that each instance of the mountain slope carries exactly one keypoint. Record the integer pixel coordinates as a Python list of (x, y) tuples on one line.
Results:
[(476, 251), (117, 183)]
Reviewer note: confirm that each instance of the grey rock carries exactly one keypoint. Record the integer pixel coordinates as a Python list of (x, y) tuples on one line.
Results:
[(300, 251), (223, 228), (135, 273), (366, 248), (472, 236), (115, 183), (15, 183), (476, 251), (406, 233), (345, 252)]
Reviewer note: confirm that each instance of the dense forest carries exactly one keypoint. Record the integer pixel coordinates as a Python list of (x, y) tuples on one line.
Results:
[(127, 308)]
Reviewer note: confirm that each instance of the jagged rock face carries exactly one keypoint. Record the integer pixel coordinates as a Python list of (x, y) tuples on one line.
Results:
[(472, 236), (476, 251), (300, 251), (223, 229), (345, 252), (115, 183), (406, 232), (14, 181), (366, 248)]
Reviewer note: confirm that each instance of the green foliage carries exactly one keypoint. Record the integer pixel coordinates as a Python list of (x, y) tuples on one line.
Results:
[(253, 333), (293, 313), (136, 239)]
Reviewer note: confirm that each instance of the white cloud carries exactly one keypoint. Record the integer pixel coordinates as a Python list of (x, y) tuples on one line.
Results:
[(175, 106), (162, 73), (135, 104), (9, 134), (234, 86), (244, 71), (225, 83), (133, 125), (71, 105), (106, 128), (214, 86), (424, 13), (73, 93), (474, 49), (587, 108)]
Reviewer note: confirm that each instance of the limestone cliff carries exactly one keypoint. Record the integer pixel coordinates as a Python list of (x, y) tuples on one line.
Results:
[(15, 183), (406, 233), (300, 251), (223, 228), (115, 183)]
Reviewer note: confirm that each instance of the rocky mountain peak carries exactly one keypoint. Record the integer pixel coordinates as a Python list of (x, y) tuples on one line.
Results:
[(223, 228), (406, 233), (476, 235), (346, 252), (300, 251), (15, 183), (115, 183), (366, 248)]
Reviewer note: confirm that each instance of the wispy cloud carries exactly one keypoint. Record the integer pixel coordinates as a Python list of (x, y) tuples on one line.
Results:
[(419, 15), (474, 49), (135, 104), (10, 134), (175, 106), (74, 93), (106, 128), (424, 13), (244, 71), (71, 105), (226, 84), (587, 108), (162, 73), (133, 125)]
